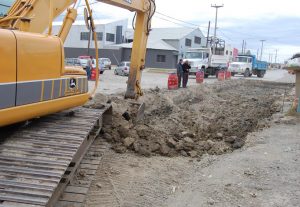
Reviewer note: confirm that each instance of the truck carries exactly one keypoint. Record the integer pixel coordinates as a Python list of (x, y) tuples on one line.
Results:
[(248, 65), (204, 59)]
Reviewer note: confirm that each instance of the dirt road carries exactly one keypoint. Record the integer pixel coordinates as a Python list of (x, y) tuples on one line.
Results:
[(265, 172)]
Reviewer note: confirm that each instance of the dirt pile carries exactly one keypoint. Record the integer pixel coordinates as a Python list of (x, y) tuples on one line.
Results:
[(212, 119)]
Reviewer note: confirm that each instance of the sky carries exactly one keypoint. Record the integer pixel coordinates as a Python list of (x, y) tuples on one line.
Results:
[(4, 6), (277, 22)]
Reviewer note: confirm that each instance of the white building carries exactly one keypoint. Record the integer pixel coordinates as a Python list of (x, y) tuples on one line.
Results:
[(180, 38), (165, 45), (108, 33)]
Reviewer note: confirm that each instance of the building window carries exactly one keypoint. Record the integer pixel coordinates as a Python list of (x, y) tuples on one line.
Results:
[(161, 58), (197, 40), (226, 52), (84, 35), (110, 37), (188, 42), (99, 36)]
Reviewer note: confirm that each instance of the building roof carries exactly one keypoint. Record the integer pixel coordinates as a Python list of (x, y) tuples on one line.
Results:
[(170, 33), (157, 35), (97, 22), (173, 33), (151, 44)]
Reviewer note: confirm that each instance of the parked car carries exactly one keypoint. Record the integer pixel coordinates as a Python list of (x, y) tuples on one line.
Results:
[(122, 69), (72, 62), (83, 60), (101, 66), (105, 62)]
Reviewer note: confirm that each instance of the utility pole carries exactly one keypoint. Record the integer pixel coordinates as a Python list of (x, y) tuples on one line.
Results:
[(243, 47), (271, 58), (208, 34), (257, 53), (262, 47), (276, 56), (216, 21)]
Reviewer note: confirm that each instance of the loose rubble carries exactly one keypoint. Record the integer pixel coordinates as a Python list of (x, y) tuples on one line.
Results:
[(213, 119)]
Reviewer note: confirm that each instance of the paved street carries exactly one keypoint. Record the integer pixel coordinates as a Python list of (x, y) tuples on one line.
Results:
[(110, 83)]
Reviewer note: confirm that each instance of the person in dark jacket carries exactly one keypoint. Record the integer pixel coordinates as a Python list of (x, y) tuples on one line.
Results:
[(179, 72), (186, 69)]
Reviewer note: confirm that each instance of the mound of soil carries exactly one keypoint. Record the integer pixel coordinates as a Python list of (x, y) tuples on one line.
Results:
[(211, 119)]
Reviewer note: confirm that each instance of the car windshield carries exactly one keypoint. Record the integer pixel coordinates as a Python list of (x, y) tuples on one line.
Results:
[(104, 60), (83, 61), (4, 6), (242, 59), (193, 55)]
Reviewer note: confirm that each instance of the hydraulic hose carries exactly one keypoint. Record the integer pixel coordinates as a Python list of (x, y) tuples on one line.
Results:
[(92, 93)]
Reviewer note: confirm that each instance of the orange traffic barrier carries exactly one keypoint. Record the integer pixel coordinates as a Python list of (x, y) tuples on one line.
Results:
[(227, 75), (172, 81), (199, 77), (93, 74), (221, 75)]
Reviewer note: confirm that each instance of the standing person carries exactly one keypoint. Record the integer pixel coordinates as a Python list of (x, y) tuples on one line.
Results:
[(89, 66), (186, 69), (179, 72)]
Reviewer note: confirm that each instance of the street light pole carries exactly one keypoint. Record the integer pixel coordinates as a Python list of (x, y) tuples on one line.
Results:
[(216, 22), (262, 47)]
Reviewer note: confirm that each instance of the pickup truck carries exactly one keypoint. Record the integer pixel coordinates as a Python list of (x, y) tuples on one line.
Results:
[(248, 65)]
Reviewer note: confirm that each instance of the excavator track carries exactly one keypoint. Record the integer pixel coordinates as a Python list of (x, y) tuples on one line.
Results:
[(38, 161)]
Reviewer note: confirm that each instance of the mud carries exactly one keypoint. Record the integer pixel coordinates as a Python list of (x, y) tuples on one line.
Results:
[(213, 119)]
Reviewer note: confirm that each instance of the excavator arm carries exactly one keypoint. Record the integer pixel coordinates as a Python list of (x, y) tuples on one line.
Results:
[(34, 15), (144, 9)]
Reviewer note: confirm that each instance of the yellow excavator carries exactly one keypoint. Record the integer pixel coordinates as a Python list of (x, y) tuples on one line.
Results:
[(34, 81)]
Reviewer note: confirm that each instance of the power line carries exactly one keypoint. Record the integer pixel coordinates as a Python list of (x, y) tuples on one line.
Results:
[(177, 19), (172, 22), (4, 5)]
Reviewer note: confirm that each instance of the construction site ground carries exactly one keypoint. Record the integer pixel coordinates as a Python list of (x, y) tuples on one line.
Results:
[(256, 163), (221, 143)]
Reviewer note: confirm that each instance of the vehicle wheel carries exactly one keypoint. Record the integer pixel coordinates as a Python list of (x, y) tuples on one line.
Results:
[(247, 73), (260, 74), (115, 72), (232, 74), (101, 72), (206, 75)]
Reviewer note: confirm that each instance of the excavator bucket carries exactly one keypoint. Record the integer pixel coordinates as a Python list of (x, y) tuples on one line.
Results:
[(135, 112)]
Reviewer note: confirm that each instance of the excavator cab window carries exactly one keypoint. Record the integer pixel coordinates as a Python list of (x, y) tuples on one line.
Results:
[(4, 7)]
